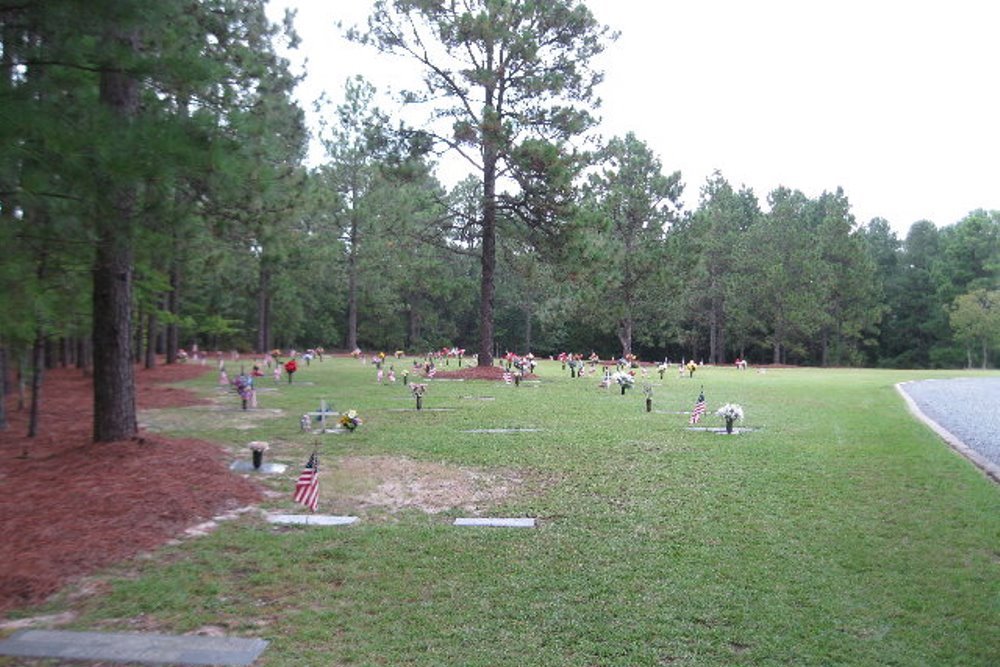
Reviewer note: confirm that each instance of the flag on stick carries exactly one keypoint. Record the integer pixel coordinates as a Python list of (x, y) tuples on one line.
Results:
[(507, 377), (699, 408), (307, 488)]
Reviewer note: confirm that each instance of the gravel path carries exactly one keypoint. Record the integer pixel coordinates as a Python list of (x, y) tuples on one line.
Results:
[(968, 409)]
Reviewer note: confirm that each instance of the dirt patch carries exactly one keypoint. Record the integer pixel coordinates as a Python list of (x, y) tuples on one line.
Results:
[(69, 507), (396, 483)]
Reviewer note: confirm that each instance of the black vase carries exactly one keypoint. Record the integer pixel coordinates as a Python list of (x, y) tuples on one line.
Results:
[(649, 405), (258, 458), (729, 426), (420, 402)]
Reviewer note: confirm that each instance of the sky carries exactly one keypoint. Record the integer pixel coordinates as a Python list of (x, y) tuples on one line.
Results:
[(895, 101)]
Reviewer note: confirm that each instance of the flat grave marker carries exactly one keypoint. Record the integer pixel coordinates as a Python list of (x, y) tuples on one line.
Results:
[(133, 647), (496, 522), (311, 519)]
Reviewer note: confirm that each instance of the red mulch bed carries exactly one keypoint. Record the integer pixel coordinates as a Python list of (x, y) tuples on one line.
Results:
[(72, 507), (475, 373)]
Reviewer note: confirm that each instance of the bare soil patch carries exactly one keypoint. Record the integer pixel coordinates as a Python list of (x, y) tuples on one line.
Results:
[(397, 483)]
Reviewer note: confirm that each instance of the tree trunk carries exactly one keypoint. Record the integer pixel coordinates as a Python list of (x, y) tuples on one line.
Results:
[(488, 261), (625, 326), (713, 341), (985, 353), (264, 310), (527, 330), (138, 315), (65, 352), (49, 353), (114, 380), (173, 307), (81, 353), (352, 278), (152, 331), (4, 387), (37, 364)]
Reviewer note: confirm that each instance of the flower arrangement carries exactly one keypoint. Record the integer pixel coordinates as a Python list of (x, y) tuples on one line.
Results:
[(243, 385), (730, 412), (350, 421), (257, 449), (625, 380), (418, 391), (647, 390)]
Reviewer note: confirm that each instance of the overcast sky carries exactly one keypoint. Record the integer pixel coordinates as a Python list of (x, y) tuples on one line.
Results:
[(894, 101)]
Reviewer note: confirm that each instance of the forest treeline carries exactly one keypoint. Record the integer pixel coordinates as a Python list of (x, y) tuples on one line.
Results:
[(155, 195)]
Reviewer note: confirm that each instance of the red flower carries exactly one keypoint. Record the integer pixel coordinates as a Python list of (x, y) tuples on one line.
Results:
[(291, 366)]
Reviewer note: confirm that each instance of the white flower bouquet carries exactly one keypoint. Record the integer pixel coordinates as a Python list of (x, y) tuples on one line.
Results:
[(730, 412)]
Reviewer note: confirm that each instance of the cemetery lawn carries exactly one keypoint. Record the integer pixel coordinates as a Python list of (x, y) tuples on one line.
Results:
[(836, 530)]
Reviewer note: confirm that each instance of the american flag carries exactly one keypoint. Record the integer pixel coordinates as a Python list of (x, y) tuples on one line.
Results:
[(507, 377), (699, 408), (307, 488), (432, 372)]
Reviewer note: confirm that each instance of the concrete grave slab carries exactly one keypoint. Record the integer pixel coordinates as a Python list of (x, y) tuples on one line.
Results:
[(128, 647), (311, 519), (265, 468), (518, 522), (503, 430)]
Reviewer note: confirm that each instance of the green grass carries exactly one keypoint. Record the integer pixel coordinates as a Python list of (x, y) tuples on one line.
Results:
[(841, 531)]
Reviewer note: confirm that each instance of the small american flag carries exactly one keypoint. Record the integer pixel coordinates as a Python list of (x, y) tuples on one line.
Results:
[(508, 378), (432, 372), (307, 488), (699, 408)]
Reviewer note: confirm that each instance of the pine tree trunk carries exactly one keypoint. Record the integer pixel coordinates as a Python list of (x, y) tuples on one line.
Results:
[(173, 307), (352, 277), (49, 354), (114, 380), (138, 315), (152, 331), (488, 260), (81, 353), (713, 332), (527, 330), (4, 387), (37, 364), (264, 311), (625, 335)]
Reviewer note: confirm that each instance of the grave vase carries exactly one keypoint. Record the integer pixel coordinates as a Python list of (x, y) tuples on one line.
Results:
[(258, 458), (649, 405), (420, 402), (623, 390), (729, 426)]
